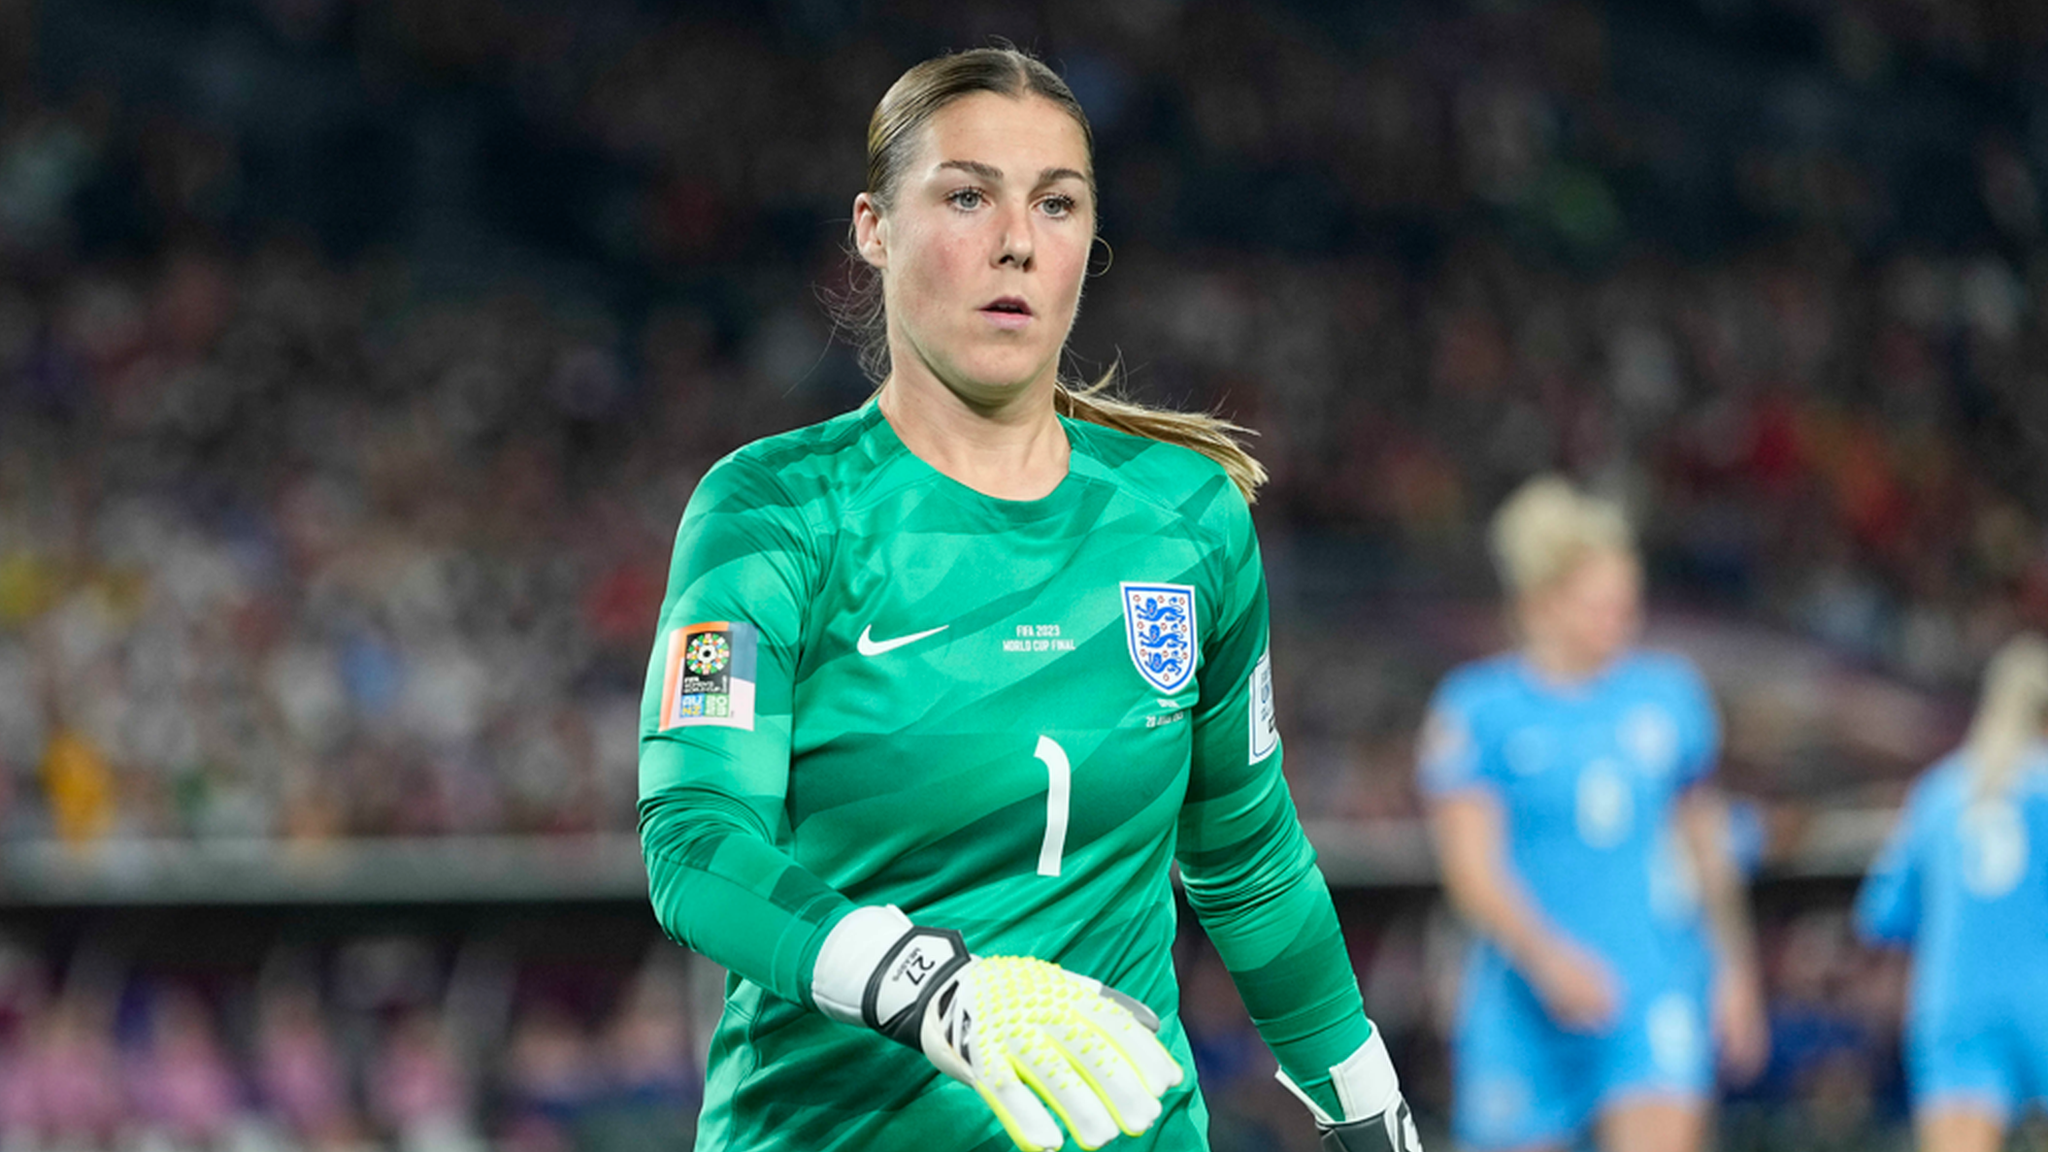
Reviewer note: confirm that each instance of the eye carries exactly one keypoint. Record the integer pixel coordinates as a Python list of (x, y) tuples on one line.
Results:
[(966, 199), (1058, 205)]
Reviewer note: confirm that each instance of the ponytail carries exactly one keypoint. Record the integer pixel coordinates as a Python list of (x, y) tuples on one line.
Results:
[(2010, 712), (1212, 436)]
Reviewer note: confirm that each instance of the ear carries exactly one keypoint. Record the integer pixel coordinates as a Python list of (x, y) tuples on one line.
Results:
[(870, 232)]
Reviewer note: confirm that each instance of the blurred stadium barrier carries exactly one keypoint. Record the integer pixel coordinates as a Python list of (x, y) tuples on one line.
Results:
[(1370, 854)]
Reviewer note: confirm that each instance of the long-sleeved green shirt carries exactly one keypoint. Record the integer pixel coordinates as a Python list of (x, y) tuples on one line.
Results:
[(874, 685)]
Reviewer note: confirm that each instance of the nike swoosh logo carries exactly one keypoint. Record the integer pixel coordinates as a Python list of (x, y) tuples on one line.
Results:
[(869, 646)]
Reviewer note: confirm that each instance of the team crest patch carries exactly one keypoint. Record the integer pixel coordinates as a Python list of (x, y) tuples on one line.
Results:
[(1159, 619), (709, 680)]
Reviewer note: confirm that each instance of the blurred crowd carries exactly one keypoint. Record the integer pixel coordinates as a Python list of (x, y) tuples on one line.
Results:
[(296, 543), (340, 1041), (376, 1042), (356, 360), (269, 568)]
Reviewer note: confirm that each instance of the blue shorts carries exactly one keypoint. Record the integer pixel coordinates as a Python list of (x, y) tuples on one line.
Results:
[(2000, 1067), (1520, 1079)]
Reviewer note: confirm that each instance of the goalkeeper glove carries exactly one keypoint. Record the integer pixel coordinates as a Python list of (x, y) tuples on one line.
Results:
[(1025, 1034), (1376, 1118)]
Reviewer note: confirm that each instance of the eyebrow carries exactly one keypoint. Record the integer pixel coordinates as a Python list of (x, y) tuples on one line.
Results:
[(992, 173)]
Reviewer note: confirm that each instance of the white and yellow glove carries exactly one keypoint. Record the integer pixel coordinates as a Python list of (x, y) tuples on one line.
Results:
[(1376, 1117), (1025, 1034)]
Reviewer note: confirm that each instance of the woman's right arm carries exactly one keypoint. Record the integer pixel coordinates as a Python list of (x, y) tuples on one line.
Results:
[(1574, 984), (1888, 906), (715, 729), (1469, 828)]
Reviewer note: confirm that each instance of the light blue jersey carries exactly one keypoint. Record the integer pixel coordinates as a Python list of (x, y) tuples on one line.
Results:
[(1964, 882), (1587, 776)]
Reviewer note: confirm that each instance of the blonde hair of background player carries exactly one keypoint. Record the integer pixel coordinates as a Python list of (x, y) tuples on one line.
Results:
[(2010, 711), (893, 133), (1547, 528)]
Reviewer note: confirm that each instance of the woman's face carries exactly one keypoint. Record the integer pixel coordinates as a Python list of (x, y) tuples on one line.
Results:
[(1592, 613), (983, 252)]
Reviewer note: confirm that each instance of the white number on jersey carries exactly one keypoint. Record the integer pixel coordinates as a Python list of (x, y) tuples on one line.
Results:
[(1059, 780), (1994, 849), (1607, 806)]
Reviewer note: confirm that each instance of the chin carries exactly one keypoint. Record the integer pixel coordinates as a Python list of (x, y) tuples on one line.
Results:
[(1000, 375), (1617, 649)]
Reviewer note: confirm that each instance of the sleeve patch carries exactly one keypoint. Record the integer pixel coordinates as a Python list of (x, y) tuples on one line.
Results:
[(708, 678), (1264, 718)]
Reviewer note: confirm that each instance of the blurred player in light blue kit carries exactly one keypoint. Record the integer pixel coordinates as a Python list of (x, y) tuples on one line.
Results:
[(1964, 884), (1580, 838)]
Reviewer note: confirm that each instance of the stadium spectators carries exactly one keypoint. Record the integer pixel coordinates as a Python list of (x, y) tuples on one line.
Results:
[(150, 1060), (301, 544)]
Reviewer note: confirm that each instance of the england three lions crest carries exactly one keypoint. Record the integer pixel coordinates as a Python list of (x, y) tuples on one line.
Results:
[(1160, 621)]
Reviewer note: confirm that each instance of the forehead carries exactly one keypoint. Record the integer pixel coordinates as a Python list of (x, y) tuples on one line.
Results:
[(1019, 134)]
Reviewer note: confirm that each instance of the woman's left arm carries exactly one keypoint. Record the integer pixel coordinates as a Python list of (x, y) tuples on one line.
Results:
[(1739, 1019), (1740, 1028), (1249, 871)]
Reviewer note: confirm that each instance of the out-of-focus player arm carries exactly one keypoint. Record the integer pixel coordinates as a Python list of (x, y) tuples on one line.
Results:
[(1249, 871), (1738, 987), (1470, 842), (1469, 829), (1888, 906), (1741, 1028), (714, 767), (1703, 817)]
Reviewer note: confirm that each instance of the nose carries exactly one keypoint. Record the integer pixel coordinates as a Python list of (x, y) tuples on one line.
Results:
[(1016, 245)]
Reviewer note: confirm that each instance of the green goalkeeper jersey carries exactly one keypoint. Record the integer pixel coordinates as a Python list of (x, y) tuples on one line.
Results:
[(873, 685)]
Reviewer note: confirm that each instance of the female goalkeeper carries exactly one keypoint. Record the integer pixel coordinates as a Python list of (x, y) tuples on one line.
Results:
[(1964, 882), (942, 688), (1582, 839)]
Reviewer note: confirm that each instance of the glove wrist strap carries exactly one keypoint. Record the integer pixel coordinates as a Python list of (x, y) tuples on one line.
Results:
[(851, 953), (1375, 1118), (910, 974)]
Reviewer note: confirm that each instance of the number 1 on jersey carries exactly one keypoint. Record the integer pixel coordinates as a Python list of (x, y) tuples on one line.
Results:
[(1059, 775)]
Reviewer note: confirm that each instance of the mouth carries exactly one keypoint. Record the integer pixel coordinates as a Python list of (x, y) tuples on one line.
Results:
[(1008, 311)]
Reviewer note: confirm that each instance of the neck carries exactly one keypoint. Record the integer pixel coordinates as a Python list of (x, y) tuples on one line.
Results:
[(1563, 664), (1011, 449)]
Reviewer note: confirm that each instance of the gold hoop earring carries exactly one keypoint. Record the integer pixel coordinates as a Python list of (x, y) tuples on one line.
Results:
[(1108, 258)]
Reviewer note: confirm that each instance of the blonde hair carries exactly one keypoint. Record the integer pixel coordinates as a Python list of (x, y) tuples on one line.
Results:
[(907, 106), (1211, 435), (1548, 527), (2010, 711)]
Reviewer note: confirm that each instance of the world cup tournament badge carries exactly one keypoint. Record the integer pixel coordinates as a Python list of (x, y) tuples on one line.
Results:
[(709, 678), (1159, 619)]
